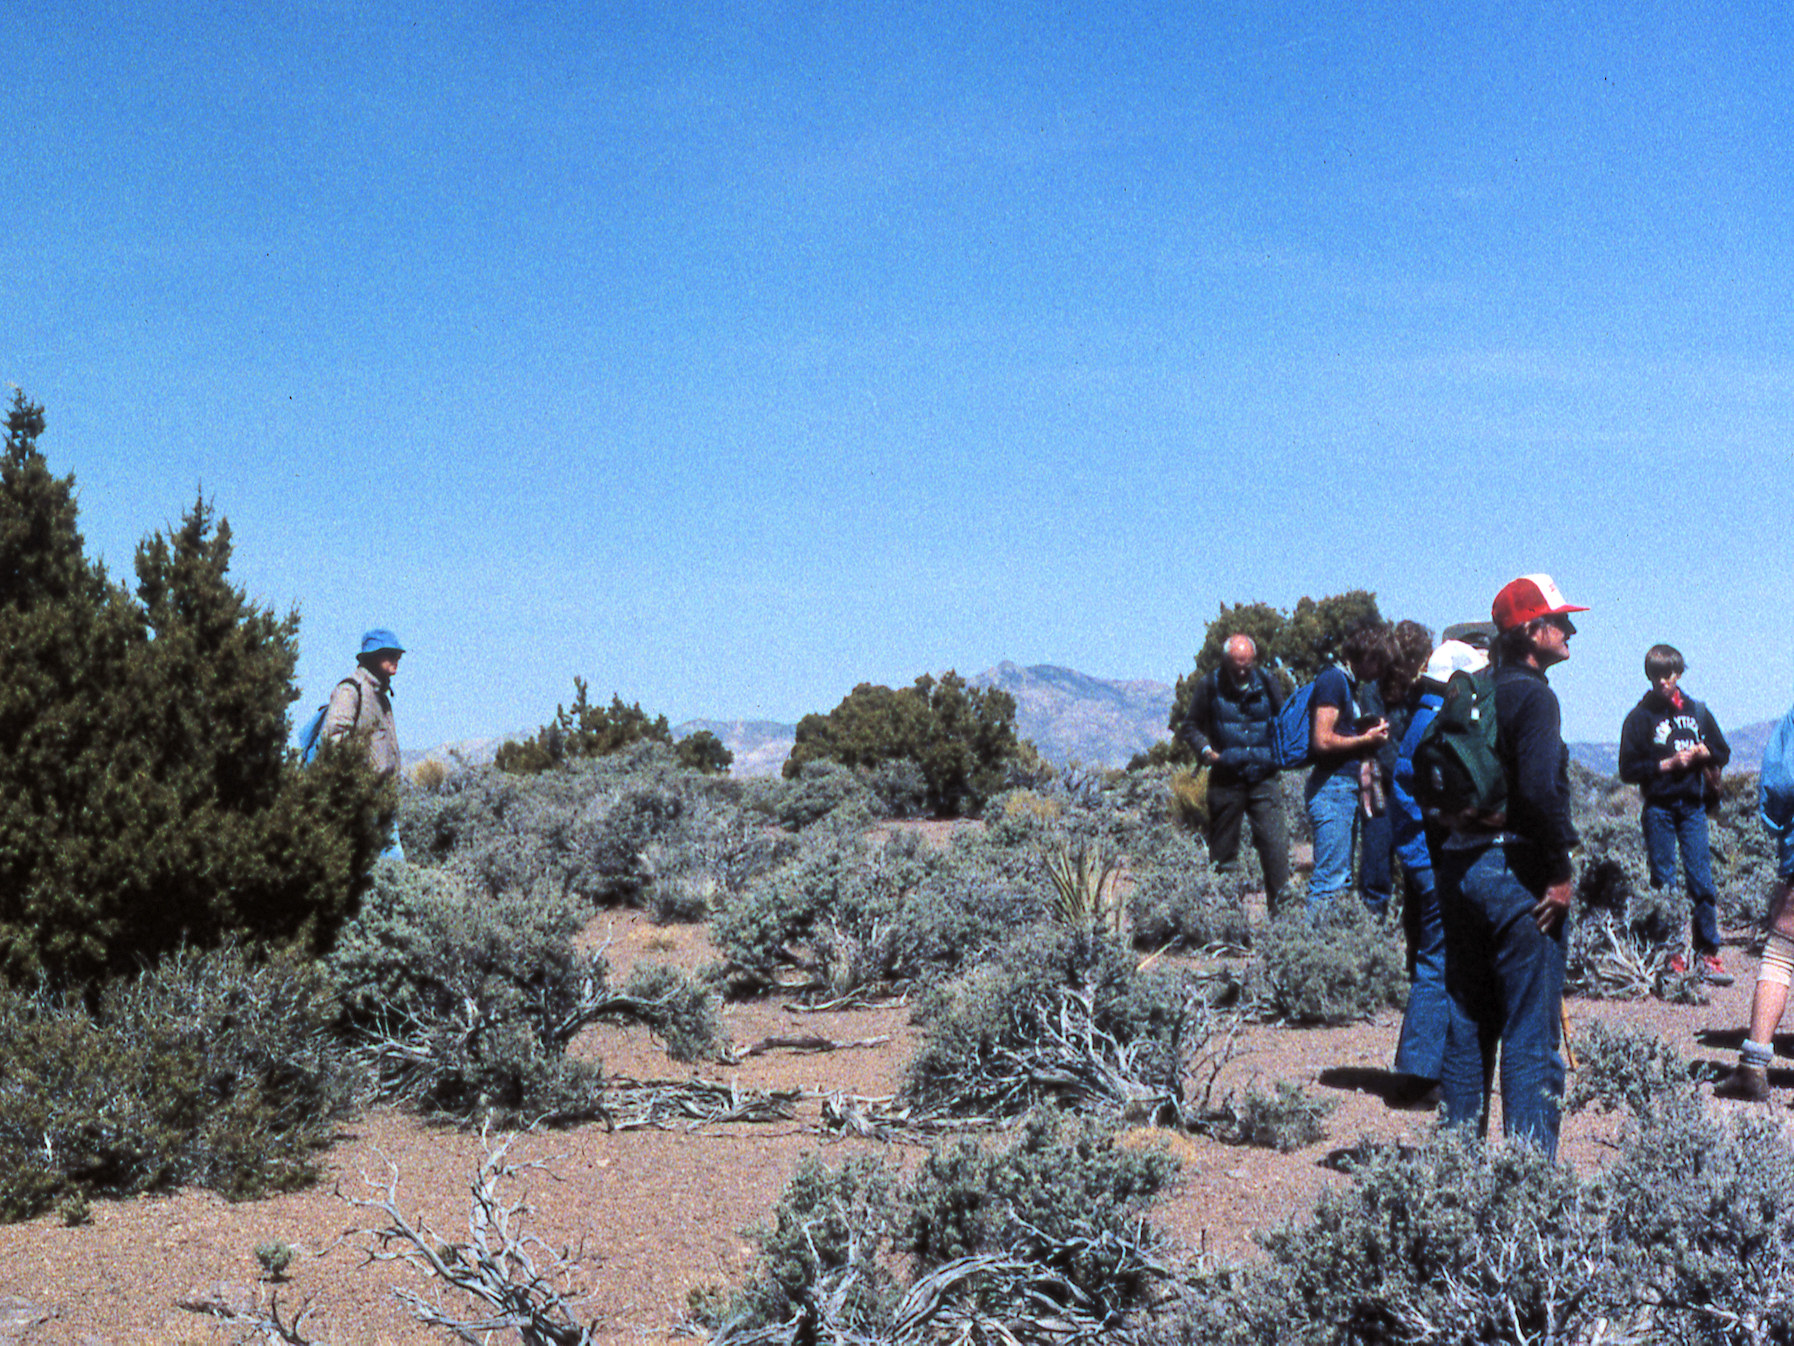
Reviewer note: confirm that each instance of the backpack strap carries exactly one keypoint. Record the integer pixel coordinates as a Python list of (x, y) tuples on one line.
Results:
[(356, 722)]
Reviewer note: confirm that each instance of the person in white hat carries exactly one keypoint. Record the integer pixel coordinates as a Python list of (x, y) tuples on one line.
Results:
[(1420, 1049)]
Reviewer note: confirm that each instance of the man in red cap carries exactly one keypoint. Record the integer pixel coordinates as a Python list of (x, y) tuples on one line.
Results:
[(1503, 892)]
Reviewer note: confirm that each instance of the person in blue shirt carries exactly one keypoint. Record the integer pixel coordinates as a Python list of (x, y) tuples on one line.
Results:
[(1342, 740), (1420, 1049)]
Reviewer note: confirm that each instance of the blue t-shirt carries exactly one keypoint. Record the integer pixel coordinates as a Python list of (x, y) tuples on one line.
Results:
[(1334, 688)]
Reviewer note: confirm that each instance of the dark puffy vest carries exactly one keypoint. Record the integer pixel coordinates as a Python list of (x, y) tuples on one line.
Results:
[(1243, 729)]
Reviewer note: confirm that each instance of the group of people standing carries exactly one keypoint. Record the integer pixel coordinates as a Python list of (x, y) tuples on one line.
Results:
[(1484, 900)]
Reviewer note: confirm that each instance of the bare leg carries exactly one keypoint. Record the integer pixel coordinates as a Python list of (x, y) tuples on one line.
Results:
[(1750, 1080), (1771, 996), (1766, 1008)]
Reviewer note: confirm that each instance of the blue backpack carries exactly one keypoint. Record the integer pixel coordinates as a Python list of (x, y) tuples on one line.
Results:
[(1292, 740), (1775, 783), (311, 733)]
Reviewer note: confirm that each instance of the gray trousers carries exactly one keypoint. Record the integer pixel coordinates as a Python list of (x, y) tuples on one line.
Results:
[(1230, 803)]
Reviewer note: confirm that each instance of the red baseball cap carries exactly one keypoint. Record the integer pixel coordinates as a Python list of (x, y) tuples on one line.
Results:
[(1527, 597)]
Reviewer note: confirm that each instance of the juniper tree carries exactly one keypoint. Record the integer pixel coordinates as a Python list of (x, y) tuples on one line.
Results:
[(146, 794), (962, 737), (584, 730)]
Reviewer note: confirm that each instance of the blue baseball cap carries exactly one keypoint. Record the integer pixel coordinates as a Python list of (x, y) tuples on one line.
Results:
[(373, 642)]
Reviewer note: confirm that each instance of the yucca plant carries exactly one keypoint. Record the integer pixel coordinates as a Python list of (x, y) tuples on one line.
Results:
[(1083, 876)]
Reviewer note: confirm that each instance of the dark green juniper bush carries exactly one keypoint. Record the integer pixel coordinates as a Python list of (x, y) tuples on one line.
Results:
[(147, 796), (586, 730), (961, 737)]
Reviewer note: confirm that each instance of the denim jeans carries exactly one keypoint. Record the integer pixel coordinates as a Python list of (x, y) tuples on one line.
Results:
[(1376, 855), (1683, 823), (1506, 982), (1426, 1025), (1331, 798)]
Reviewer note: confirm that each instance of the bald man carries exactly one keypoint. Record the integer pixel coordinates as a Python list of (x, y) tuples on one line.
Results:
[(1232, 724)]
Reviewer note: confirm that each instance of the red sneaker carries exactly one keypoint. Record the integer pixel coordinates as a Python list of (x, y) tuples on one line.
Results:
[(1712, 970), (1677, 964)]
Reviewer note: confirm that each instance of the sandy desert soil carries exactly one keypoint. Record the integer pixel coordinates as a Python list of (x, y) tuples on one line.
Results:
[(658, 1213)]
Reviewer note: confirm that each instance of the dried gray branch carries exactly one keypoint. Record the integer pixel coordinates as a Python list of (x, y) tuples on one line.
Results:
[(270, 1325), (803, 1042), (525, 1286)]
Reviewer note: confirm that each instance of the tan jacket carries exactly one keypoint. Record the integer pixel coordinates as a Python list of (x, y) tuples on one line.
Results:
[(369, 715)]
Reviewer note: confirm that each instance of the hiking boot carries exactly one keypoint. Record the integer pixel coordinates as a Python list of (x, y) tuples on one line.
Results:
[(1711, 970), (1749, 1083), (1415, 1094)]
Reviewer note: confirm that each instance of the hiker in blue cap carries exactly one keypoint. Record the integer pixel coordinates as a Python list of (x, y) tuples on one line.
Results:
[(361, 705)]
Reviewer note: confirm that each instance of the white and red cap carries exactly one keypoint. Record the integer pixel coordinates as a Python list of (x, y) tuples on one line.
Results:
[(1528, 597)]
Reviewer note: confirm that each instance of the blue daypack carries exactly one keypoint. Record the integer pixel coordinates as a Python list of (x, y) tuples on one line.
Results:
[(1775, 783), (311, 733), (1292, 739)]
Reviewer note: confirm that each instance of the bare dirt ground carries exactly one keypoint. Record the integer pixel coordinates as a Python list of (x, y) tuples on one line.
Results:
[(656, 1214)]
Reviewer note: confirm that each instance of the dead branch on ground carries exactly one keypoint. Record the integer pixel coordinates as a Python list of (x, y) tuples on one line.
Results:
[(524, 1285), (802, 1042)]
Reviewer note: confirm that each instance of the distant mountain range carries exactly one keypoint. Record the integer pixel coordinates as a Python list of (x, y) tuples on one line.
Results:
[(1072, 716), (1069, 716)]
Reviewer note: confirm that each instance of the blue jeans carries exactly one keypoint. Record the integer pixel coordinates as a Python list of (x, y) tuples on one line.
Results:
[(1376, 854), (1331, 798), (1683, 823), (1506, 983), (1426, 1025)]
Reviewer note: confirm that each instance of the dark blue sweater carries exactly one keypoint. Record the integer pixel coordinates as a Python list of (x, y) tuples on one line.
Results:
[(1529, 741)]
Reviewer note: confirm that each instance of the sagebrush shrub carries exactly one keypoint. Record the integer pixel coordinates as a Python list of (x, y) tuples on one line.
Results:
[(717, 849), (465, 1003), (1057, 1015), (1686, 1236), (1335, 966), (678, 1010), (819, 790), (1285, 1119), (1624, 1066), (1043, 1238), (213, 1069), (831, 1225), (1059, 1184), (1702, 1221), (601, 831), (1450, 1243), (852, 911), (1179, 902)]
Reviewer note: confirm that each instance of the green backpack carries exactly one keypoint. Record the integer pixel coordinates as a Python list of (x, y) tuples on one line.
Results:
[(1458, 780)]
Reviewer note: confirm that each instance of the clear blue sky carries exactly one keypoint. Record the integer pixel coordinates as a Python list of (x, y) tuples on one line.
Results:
[(732, 355)]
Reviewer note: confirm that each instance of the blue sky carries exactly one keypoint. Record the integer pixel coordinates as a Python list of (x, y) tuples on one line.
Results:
[(732, 355)]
